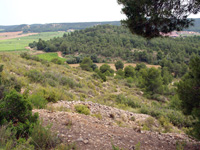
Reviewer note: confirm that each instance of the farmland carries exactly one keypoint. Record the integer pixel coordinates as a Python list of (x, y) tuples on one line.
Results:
[(19, 44), (50, 56)]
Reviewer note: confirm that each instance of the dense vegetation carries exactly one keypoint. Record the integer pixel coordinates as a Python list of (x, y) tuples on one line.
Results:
[(42, 85), (115, 41), (150, 19)]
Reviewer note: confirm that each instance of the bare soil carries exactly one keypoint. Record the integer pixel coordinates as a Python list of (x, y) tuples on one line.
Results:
[(12, 35), (60, 54), (34, 52), (113, 65), (91, 133)]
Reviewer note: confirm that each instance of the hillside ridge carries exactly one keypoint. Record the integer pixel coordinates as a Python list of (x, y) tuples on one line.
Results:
[(89, 132)]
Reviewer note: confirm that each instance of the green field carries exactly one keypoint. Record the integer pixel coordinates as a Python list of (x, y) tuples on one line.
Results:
[(50, 56), (19, 45)]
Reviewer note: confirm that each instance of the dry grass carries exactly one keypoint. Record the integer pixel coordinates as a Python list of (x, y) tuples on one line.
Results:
[(12, 35)]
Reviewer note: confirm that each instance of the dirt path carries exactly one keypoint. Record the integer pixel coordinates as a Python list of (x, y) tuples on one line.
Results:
[(113, 65), (91, 133), (12, 35), (34, 52), (60, 54)]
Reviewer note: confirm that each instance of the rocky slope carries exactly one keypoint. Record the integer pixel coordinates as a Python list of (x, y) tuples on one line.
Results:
[(106, 126)]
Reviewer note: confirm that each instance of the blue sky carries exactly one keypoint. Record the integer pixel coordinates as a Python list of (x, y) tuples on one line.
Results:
[(13, 12)]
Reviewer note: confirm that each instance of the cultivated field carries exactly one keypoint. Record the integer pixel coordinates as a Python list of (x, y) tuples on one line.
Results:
[(11, 35), (19, 44), (113, 65), (50, 56)]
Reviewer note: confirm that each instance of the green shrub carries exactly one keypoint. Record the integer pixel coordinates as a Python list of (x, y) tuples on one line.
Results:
[(119, 65), (97, 115), (66, 147), (105, 69), (8, 141), (86, 64), (129, 80), (6, 134), (99, 75), (51, 82), (140, 66), (175, 117), (166, 124), (36, 76), (120, 72), (121, 99), (116, 147), (82, 109), (67, 81), (38, 101), (57, 61), (43, 138), (129, 71), (118, 77), (14, 108), (148, 123), (175, 102)]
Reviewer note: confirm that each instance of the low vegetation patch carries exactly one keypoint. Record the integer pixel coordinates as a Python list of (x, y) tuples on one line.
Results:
[(82, 109)]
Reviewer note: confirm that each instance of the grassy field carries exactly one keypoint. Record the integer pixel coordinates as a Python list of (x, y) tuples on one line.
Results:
[(19, 44), (50, 56)]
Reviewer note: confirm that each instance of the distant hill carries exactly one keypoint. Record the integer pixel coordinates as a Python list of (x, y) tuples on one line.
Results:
[(196, 26), (51, 27), (54, 26)]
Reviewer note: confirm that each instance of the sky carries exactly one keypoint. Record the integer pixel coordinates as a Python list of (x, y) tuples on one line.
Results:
[(15, 12)]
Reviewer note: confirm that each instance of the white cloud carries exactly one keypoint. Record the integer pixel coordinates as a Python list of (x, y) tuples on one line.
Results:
[(48, 11)]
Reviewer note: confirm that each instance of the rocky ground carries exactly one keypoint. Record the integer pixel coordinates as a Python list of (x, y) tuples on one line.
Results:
[(106, 126)]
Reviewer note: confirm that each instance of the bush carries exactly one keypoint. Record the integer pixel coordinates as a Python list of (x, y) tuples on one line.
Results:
[(166, 124), (129, 71), (38, 101), (119, 65), (121, 99), (175, 117), (120, 72), (140, 66), (67, 81), (8, 141), (14, 108), (43, 138), (36, 76), (86, 64), (99, 75), (175, 103), (57, 61), (82, 109), (105, 69)]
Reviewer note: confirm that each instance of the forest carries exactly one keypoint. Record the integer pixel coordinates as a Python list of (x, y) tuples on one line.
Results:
[(107, 41)]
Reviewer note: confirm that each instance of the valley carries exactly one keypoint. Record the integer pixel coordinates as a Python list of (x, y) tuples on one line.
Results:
[(98, 88)]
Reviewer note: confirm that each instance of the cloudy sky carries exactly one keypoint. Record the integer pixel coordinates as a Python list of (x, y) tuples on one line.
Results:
[(50, 11), (13, 12)]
